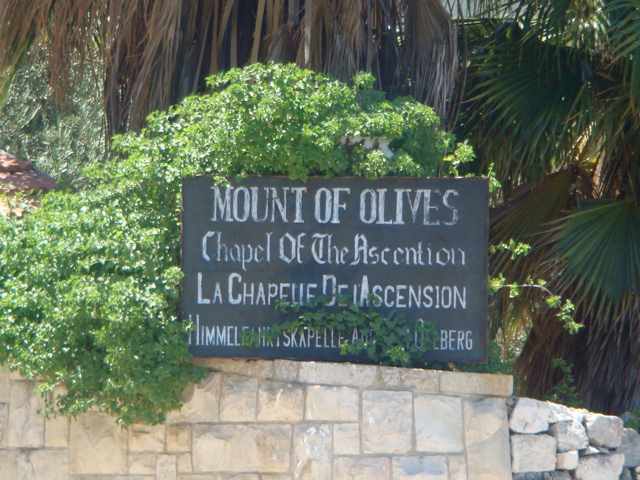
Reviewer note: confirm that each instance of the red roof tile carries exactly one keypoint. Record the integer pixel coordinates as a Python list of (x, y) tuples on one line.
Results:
[(19, 175)]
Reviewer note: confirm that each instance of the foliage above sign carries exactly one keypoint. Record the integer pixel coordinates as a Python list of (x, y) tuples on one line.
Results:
[(414, 246)]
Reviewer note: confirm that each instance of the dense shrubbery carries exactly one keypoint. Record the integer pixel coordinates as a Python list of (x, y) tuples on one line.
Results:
[(89, 282)]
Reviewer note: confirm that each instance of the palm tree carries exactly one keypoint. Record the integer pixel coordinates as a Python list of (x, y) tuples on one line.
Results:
[(552, 106), (156, 52)]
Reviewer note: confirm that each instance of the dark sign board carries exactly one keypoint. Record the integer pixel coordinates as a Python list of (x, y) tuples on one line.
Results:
[(419, 246)]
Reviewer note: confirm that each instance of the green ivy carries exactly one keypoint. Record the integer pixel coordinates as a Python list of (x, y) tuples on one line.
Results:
[(383, 339), (89, 282)]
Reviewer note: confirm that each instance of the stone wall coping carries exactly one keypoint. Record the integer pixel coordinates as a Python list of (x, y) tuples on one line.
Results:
[(364, 376)]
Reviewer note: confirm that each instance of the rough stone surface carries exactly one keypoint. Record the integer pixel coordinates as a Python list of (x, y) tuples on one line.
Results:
[(473, 383), (338, 374), (280, 401), (184, 463), (556, 475), (33, 465), (285, 370), (487, 439), (241, 448), (438, 423), (567, 460), (562, 413), (533, 453), (630, 446), (201, 402), (386, 421), (570, 435), (346, 439), (366, 468), (4, 424), (332, 403), (97, 445), (273, 420), (604, 430), (5, 386), (457, 467), (167, 467), (179, 438), (530, 416), (142, 463), (599, 467), (626, 474), (56, 431), (26, 427), (259, 369), (419, 380), (420, 468), (313, 451), (145, 438), (238, 401)]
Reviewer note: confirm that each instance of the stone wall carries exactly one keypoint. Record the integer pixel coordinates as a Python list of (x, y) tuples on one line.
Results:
[(277, 420), (554, 442)]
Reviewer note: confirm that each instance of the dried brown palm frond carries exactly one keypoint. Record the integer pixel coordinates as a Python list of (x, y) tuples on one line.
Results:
[(156, 52), (430, 53)]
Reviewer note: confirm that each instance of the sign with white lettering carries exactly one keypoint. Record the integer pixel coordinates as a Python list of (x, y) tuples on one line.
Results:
[(413, 245)]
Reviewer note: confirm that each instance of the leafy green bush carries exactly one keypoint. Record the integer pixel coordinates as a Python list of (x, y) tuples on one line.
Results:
[(89, 282)]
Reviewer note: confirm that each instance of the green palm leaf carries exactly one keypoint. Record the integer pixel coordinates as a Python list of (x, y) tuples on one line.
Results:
[(598, 249)]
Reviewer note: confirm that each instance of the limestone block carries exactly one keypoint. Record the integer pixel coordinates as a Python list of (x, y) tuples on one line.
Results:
[(184, 463), (386, 421), (346, 374), (56, 431), (252, 368), (238, 398), (530, 416), (420, 468), (200, 402), (533, 453), (240, 448), (5, 385), (590, 451), (567, 460), (332, 403), (457, 467), (487, 439), (178, 438), (557, 475), (242, 476), (97, 445), (599, 467), (604, 430), (562, 413), (142, 463), (26, 427), (410, 378), (34, 465), (570, 435), (167, 467), (626, 474), (438, 422), (346, 439), (145, 438), (280, 401), (476, 383), (4, 424), (312, 450), (362, 468), (630, 446), (285, 370)]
